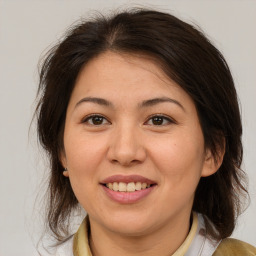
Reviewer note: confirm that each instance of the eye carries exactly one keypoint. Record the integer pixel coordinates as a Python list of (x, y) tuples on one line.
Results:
[(95, 120), (160, 120)]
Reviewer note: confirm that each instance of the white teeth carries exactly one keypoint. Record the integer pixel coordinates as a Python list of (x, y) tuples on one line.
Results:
[(122, 187), (115, 186), (127, 187), (131, 187), (110, 185), (143, 185), (138, 186)]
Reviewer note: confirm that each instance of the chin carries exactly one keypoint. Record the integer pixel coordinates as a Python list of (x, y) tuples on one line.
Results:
[(132, 225)]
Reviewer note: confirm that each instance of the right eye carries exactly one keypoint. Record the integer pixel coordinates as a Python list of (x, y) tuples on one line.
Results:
[(96, 120)]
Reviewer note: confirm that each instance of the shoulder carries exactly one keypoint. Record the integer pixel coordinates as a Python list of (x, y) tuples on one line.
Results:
[(230, 246)]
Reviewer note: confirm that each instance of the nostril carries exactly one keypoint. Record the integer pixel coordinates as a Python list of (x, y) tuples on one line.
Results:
[(125, 162)]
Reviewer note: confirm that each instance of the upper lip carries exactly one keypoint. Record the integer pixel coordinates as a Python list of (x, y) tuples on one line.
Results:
[(127, 179)]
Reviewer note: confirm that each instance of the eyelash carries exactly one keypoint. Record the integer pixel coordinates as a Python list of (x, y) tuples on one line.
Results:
[(165, 118), (86, 119)]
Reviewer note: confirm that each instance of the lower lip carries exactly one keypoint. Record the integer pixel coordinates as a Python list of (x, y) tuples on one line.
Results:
[(128, 197)]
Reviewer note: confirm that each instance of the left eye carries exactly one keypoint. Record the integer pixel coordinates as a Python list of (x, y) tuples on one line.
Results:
[(95, 120), (159, 120)]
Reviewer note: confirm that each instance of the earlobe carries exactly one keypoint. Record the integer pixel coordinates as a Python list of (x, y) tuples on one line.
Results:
[(65, 172), (63, 161), (212, 163)]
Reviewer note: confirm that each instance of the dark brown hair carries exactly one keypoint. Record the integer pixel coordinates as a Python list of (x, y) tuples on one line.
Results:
[(188, 58)]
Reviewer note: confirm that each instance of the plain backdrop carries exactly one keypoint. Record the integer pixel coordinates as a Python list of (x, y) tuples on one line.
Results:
[(28, 28)]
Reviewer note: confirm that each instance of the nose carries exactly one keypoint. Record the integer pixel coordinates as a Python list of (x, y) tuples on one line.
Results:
[(126, 146)]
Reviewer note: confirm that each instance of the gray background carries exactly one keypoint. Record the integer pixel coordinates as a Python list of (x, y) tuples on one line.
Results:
[(28, 28)]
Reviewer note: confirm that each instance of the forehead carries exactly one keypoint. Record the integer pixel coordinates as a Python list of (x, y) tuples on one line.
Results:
[(125, 76), (129, 66)]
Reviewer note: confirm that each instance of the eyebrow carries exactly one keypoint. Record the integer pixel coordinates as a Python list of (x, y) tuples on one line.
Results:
[(155, 101), (145, 103), (98, 101)]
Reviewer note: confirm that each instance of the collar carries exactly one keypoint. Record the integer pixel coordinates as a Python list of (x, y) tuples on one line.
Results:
[(185, 245), (81, 242), (196, 242)]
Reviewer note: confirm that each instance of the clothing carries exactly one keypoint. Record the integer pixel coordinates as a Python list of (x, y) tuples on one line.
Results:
[(232, 247), (196, 243)]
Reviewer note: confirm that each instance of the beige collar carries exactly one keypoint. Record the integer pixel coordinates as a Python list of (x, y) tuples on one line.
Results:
[(81, 243), (184, 247)]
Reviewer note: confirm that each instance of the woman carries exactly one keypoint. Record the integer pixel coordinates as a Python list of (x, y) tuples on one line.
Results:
[(139, 116)]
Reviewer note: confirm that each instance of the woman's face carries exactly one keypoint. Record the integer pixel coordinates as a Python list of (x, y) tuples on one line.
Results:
[(133, 144)]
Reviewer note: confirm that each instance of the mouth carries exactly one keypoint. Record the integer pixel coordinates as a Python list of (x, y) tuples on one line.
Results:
[(127, 189)]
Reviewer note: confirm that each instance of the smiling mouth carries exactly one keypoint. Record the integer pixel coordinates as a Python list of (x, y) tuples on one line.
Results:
[(128, 187)]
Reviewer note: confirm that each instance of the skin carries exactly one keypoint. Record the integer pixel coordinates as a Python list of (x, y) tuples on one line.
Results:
[(128, 142)]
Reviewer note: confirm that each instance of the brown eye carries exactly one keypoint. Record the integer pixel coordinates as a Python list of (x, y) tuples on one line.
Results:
[(159, 120), (95, 120)]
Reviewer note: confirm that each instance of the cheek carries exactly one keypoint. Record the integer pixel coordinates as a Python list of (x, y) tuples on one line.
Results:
[(83, 154), (180, 159)]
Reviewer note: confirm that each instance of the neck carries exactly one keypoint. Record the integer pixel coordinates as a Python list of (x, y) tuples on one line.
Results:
[(162, 241)]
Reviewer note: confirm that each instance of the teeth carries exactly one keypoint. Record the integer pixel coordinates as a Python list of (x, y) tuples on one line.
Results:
[(115, 186), (127, 187), (122, 187), (110, 185), (143, 185), (138, 186), (130, 187)]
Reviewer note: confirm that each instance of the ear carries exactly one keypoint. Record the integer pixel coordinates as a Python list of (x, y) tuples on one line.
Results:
[(211, 163), (63, 161), (65, 172)]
